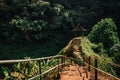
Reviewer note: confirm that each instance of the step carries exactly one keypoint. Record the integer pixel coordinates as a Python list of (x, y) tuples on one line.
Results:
[(65, 72), (64, 77), (75, 78), (74, 73)]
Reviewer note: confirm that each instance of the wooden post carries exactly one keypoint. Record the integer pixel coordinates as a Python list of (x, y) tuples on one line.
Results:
[(47, 75), (86, 74), (71, 61), (58, 75), (83, 61), (26, 77), (62, 61), (58, 64), (83, 78), (89, 62), (96, 66), (40, 69)]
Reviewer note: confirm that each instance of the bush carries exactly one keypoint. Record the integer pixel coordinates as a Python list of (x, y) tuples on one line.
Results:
[(104, 32)]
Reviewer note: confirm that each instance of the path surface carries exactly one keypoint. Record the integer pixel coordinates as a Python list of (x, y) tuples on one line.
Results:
[(74, 72)]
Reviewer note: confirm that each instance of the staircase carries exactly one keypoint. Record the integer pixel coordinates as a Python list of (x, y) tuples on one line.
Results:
[(70, 70), (75, 72)]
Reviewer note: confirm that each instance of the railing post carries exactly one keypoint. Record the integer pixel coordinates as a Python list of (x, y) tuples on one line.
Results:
[(96, 71), (83, 61), (47, 76), (63, 61), (83, 78), (26, 77), (40, 69), (58, 75), (86, 74), (71, 61), (89, 62), (58, 64)]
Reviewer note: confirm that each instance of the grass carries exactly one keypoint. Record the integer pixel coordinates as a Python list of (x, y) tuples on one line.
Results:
[(87, 47)]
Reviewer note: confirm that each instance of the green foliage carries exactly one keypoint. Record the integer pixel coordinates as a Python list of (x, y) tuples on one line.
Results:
[(30, 29), (115, 51), (88, 47), (6, 73), (100, 49), (41, 24), (26, 70), (106, 67), (32, 20), (93, 50), (39, 28), (104, 32)]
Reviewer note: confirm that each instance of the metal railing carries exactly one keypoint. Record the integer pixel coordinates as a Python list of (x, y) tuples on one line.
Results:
[(55, 63), (94, 65), (58, 61)]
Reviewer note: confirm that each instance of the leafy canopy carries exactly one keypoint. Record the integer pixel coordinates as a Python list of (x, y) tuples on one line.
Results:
[(104, 32)]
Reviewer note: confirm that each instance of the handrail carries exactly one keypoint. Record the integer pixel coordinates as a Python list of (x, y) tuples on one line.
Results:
[(59, 56), (102, 71), (46, 71), (57, 66), (96, 58), (26, 60), (103, 60), (36, 59), (39, 60), (109, 62)]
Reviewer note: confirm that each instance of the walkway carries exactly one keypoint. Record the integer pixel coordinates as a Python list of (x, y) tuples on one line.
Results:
[(74, 72)]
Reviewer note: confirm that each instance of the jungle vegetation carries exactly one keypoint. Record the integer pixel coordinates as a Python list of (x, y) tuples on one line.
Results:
[(37, 28)]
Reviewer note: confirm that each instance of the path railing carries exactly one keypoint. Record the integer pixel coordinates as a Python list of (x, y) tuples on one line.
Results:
[(93, 66), (60, 64), (40, 68), (34, 68)]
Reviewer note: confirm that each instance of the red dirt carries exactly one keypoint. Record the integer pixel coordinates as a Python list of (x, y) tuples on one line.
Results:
[(74, 72)]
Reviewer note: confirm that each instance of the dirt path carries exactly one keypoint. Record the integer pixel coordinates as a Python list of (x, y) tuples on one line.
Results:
[(74, 72)]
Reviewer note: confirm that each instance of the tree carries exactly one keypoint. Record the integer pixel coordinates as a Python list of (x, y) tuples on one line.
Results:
[(104, 32)]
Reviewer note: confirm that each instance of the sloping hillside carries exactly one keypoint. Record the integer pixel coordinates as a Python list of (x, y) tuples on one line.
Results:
[(86, 47)]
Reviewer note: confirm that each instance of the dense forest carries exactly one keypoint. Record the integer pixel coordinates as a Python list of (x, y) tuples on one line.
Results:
[(36, 28)]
